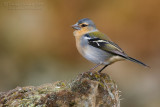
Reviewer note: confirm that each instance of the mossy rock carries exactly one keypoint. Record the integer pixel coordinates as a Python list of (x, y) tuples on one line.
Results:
[(89, 89)]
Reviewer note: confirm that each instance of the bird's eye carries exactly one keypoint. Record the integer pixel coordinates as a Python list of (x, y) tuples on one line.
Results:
[(84, 25)]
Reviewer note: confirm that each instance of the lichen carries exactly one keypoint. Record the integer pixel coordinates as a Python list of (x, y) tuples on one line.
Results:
[(87, 89)]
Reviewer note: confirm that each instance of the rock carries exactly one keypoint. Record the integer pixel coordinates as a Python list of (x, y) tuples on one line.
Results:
[(89, 89)]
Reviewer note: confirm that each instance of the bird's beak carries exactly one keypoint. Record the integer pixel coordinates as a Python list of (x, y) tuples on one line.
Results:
[(76, 26)]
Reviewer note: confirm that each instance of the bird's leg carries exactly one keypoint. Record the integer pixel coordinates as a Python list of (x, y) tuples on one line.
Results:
[(95, 67), (102, 69)]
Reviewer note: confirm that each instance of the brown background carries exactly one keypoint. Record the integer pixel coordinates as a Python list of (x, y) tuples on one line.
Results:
[(37, 45)]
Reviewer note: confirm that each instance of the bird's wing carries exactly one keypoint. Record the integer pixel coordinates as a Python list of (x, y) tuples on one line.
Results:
[(101, 42)]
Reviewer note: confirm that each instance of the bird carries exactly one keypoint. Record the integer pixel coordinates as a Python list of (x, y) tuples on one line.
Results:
[(97, 47)]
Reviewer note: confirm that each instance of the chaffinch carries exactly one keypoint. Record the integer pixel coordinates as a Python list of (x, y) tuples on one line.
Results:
[(96, 46)]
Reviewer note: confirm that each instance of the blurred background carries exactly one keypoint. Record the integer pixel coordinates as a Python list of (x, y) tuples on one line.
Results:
[(37, 45)]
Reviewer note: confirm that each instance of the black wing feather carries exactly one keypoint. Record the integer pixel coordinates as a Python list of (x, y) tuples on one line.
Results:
[(110, 47)]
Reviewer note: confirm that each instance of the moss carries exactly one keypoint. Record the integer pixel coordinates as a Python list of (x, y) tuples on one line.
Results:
[(87, 89)]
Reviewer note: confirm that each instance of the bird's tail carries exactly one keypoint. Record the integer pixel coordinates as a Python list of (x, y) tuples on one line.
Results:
[(136, 61)]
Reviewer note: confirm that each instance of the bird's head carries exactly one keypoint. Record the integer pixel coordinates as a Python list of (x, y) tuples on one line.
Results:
[(84, 26)]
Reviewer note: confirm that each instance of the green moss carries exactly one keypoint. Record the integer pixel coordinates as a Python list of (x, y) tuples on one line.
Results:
[(82, 90)]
